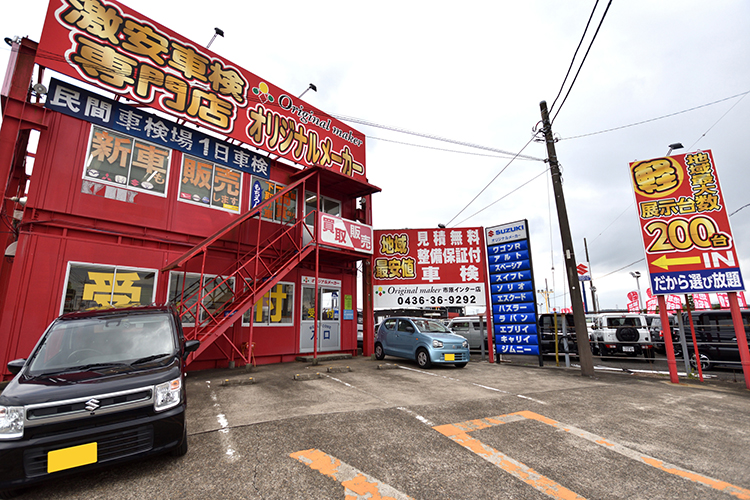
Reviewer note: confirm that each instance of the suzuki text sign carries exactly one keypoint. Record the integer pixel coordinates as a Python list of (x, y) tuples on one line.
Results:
[(685, 226), (106, 44), (429, 268)]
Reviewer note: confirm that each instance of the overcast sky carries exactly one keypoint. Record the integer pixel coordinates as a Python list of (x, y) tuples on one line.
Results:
[(475, 72)]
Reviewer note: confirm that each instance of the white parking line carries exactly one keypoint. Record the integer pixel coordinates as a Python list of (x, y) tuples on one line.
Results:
[(226, 440)]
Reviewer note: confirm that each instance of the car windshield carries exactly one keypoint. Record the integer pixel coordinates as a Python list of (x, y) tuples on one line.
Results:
[(426, 325), (103, 341)]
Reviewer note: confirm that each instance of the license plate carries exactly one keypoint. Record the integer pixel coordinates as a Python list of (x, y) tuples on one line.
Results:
[(68, 458), (450, 357), (628, 348)]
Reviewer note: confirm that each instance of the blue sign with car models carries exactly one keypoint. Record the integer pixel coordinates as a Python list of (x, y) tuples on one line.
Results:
[(512, 289)]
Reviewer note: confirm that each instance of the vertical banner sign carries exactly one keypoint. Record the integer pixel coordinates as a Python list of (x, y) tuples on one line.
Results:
[(429, 268), (512, 289), (685, 226), (113, 47)]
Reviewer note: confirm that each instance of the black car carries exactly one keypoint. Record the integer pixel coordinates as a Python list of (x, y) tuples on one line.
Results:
[(100, 387), (564, 326)]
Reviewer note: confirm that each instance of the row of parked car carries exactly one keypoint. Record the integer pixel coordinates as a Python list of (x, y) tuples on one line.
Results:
[(429, 341), (636, 334)]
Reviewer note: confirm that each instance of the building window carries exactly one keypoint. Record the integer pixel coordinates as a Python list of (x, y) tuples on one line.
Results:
[(215, 295), (327, 205), (275, 308), (210, 185), (91, 286), (282, 210), (127, 162)]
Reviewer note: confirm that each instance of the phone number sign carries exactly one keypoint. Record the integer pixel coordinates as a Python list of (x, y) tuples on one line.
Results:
[(684, 224)]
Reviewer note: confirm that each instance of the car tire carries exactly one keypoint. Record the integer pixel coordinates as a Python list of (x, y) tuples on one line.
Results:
[(423, 358), (379, 352), (705, 362), (10, 493), (460, 365), (648, 353), (182, 449), (627, 334)]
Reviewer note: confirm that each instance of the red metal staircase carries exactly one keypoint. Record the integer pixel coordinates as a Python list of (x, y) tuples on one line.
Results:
[(259, 267)]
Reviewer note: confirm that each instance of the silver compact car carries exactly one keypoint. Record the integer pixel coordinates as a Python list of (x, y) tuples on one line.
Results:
[(423, 340)]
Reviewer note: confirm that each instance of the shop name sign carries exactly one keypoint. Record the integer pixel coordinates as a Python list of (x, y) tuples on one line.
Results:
[(115, 48), (684, 225), (345, 233), (429, 268)]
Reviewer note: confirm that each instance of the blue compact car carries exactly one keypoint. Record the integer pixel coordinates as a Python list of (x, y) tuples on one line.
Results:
[(423, 340)]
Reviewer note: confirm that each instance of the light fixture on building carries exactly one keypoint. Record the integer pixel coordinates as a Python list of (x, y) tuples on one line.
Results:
[(676, 145), (311, 87), (217, 31)]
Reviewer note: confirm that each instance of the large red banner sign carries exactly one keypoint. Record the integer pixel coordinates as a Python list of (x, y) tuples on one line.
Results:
[(117, 49), (685, 226)]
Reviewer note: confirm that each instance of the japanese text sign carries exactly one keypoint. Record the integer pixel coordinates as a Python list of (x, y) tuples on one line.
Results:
[(512, 289), (104, 43), (344, 233), (429, 267), (685, 226), (73, 101)]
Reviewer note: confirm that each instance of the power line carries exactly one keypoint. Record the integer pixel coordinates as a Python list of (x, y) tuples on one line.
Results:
[(434, 137), (552, 121), (575, 54), (654, 119), (438, 149)]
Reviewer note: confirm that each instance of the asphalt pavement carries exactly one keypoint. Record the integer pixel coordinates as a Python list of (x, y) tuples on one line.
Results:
[(361, 428)]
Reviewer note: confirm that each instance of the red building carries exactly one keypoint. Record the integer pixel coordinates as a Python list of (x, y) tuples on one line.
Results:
[(109, 217)]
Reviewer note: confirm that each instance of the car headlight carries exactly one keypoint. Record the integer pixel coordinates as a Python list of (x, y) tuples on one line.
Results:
[(437, 343), (11, 422), (167, 395), (465, 345)]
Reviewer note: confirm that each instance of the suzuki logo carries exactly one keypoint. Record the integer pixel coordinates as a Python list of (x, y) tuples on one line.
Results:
[(92, 405)]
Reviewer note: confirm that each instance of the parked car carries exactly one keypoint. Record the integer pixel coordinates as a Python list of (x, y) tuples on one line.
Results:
[(657, 334), (471, 328), (565, 328), (716, 337), (620, 333), (424, 340), (100, 387)]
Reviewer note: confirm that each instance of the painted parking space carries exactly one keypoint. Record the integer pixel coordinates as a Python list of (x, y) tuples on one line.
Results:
[(357, 485), (459, 433)]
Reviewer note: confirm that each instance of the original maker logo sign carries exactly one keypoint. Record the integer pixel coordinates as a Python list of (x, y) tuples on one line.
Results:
[(685, 226), (115, 48)]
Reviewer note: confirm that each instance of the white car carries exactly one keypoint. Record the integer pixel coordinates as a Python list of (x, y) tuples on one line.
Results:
[(620, 333)]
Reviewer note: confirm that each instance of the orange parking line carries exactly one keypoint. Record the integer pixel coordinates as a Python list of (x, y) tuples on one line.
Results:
[(458, 432), (357, 485)]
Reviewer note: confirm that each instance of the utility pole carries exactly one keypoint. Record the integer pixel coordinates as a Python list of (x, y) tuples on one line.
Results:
[(579, 317)]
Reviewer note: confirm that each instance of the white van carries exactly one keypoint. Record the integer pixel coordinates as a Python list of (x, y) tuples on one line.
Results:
[(623, 333), (469, 327)]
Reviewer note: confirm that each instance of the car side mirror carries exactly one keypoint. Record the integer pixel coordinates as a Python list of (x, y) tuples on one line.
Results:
[(15, 366), (190, 346)]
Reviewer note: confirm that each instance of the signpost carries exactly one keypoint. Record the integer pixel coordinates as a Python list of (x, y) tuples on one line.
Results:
[(687, 237), (512, 290)]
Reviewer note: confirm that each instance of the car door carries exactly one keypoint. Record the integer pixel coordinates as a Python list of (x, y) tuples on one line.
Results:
[(388, 336), (404, 338)]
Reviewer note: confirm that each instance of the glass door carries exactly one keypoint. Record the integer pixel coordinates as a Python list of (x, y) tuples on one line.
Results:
[(329, 319)]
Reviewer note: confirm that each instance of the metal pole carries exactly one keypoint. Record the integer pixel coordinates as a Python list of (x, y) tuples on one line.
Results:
[(579, 317), (671, 362), (741, 335), (591, 275)]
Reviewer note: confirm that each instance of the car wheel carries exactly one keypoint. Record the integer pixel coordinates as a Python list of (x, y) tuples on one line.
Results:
[(10, 493), (423, 358), (379, 353), (705, 362), (181, 450), (627, 334), (460, 365)]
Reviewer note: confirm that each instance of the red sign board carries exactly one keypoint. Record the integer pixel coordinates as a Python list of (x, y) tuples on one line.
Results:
[(429, 267), (106, 44), (344, 233), (685, 226)]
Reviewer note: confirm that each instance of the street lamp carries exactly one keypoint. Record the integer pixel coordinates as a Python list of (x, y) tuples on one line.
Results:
[(637, 275)]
